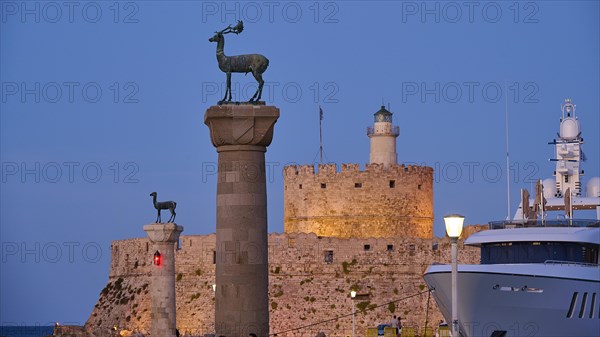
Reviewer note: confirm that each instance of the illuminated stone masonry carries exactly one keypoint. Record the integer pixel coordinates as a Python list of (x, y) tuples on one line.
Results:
[(393, 201), (310, 279)]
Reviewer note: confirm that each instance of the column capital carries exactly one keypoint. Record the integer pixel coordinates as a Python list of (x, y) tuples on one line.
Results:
[(244, 124), (167, 232)]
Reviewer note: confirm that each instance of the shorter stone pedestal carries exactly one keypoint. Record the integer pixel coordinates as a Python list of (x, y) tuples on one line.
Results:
[(162, 282)]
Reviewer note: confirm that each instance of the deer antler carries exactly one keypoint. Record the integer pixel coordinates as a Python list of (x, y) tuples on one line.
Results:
[(239, 27)]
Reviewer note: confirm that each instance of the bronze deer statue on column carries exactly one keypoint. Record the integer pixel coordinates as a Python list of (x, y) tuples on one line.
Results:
[(254, 63)]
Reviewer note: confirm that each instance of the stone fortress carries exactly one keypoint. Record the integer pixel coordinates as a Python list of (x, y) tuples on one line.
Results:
[(370, 231)]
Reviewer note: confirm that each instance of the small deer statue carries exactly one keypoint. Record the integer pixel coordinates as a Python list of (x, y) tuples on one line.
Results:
[(254, 63), (170, 205)]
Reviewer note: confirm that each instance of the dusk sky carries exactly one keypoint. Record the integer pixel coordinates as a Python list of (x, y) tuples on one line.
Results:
[(103, 103)]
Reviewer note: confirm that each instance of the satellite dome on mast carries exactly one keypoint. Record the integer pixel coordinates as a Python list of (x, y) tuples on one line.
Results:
[(592, 188), (569, 125), (549, 188)]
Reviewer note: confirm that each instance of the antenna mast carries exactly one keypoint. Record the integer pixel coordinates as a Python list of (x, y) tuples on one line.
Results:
[(507, 157)]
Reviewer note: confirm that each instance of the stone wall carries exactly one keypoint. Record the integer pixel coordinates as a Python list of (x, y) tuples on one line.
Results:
[(68, 331), (310, 281), (396, 201)]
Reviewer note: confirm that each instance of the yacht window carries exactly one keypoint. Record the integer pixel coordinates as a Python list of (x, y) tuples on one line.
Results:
[(538, 252), (583, 303), (572, 306)]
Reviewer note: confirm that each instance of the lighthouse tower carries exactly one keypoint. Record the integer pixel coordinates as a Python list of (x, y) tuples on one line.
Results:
[(383, 139)]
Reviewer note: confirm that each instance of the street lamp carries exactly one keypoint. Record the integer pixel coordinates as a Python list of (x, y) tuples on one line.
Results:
[(454, 225), (353, 295)]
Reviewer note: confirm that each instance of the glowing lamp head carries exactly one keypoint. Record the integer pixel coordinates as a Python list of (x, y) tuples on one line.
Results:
[(353, 294), (454, 225), (157, 258)]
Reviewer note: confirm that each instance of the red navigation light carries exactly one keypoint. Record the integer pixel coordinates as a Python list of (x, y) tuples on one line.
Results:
[(157, 259)]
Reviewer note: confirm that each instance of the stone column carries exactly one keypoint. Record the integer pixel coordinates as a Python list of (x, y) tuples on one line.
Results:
[(241, 134), (162, 282)]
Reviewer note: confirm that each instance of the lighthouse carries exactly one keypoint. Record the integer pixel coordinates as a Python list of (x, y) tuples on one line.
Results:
[(383, 139)]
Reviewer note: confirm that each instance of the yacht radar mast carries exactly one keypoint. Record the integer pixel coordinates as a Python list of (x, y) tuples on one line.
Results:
[(568, 152), (563, 193)]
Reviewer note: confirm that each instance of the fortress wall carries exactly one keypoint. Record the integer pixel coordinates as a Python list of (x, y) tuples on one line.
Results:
[(304, 288), (376, 202)]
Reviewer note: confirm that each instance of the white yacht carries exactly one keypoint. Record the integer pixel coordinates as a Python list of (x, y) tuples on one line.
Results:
[(537, 276)]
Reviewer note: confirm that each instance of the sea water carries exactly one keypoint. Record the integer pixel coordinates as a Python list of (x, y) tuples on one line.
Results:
[(25, 331)]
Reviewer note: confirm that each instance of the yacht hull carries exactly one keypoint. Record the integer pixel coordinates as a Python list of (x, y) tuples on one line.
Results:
[(522, 300)]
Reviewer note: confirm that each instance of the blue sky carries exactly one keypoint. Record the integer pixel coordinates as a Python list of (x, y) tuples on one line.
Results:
[(103, 103)]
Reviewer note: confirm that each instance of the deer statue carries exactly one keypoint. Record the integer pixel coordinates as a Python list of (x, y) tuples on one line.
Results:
[(170, 205), (254, 63)]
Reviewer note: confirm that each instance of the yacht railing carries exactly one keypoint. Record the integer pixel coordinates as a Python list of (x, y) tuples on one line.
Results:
[(544, 223), (571, 263)]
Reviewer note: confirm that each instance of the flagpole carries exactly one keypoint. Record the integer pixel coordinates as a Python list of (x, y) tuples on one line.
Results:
[(320, 134), (507, 157)]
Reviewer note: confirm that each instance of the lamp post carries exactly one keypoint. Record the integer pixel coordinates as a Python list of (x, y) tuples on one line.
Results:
[(454, 225), (353, 295)]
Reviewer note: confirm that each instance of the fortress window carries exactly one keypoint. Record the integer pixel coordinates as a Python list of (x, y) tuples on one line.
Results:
[(411, 246), (214, 257), (190, 242), (146, 246), (566, 179), (323, 185), (357, 185), (367, 248), (329, 256), (405, 169), (392, 183), (419, 186), (300, 186), (390, 248)]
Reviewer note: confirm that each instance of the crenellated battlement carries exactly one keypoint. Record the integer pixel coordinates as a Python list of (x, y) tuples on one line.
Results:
[(301, 171), (379, 201)]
